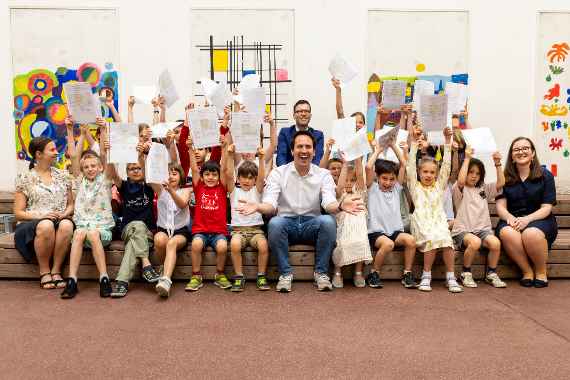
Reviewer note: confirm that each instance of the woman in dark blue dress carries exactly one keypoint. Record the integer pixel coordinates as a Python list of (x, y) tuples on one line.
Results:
[(527, 227)]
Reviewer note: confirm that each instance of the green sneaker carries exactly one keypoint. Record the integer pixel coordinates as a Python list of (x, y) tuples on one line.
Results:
[(194, 284), (262, 283), (239, 284), (222, 281)]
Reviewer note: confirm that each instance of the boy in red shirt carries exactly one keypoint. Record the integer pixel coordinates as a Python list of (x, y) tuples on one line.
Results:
[(209, 226)]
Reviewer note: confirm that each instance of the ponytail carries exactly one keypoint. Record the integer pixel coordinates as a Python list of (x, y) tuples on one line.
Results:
[(37, 144), (32, 163)]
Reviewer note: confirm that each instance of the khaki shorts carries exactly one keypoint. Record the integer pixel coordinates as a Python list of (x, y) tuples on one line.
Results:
[(249, 235)]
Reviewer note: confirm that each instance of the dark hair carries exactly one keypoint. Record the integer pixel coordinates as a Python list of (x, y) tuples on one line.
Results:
[(333, 160), (481, 167), (303, 133), (358, 113), (301, 101), (511, 171), (176, 166), (37, 144), (248, 168), (210, 166), (386, 166)]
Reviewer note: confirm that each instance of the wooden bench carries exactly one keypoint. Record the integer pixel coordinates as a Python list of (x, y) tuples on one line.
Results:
[(12, 265)]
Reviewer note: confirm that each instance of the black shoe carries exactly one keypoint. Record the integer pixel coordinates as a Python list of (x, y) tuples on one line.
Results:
[(238, 284), (373, 280), (526, 282), (120, 289), (105, 289), (150, 275), (70, 289), (540, 283), (408, 280)]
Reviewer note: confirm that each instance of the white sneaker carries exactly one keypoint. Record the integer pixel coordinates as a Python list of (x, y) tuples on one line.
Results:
[(284, 283), (322, 282), (337, 280), (453, 286), (163, 287), (425, 284), (358, 280), (467, 280), (493, 279)]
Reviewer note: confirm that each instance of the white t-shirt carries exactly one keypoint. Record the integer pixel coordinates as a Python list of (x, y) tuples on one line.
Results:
[(384, 209), (239, 220)]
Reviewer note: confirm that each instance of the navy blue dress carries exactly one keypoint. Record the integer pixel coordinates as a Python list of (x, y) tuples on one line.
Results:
[(524, 198)]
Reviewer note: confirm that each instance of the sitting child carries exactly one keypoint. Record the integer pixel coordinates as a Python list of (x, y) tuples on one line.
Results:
[(472, 228)]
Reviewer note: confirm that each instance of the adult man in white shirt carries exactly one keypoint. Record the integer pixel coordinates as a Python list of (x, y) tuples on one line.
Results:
[(296, 191)]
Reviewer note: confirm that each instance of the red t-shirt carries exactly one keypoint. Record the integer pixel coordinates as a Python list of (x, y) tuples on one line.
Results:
[(210, 210)]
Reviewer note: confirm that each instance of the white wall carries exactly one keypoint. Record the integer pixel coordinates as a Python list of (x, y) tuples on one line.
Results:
[(157, 34)]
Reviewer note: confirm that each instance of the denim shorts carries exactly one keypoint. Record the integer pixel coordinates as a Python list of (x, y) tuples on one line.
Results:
[(210, 239)]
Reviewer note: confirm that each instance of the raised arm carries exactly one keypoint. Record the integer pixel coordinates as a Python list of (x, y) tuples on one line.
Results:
[(412, 177), (462, 176), (500, 174), (181, 200), (193, 165), (260, 182), (446, 164), (111, 104), (342, 179), (338, 92), (76, 156), (103, 145), (155, 111), (162, 106), (370, 173), (402, 161), (130, 113), (229, 168), (270, 149), (327, 154), (171, 146), (360, 181)]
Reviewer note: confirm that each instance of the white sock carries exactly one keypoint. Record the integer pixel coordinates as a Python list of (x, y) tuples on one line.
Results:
[(450, 276), (74, 278), (102, 276), (426, 274)]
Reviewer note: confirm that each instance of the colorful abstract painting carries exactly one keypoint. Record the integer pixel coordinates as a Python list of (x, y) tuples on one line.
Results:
[(39, 102)]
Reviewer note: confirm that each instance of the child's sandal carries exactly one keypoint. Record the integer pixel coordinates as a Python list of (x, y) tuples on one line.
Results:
[(46, 284), (58, 284)]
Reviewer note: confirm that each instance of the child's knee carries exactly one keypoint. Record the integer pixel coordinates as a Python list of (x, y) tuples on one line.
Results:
[(93, 235), (79, 236), (473, 242), (493, 243), (221, 246)]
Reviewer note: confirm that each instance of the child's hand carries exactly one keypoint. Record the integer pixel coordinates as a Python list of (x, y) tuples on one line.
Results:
[(497, 158), (227, 113), (69, 121), (404, 147), (189, 107), (101, 122), (377, 148), (329, 145), (382, 110), (260, 153), (169, 138), (417, 132), (231, 149), (336, 83), (84, 128), (406, 108), (246, 208), (468, 152), (189, 142), (268, 118), (107, 144), (140, 147), (448, 135), (132, 101)]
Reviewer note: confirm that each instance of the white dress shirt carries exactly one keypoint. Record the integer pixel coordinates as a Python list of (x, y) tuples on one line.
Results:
[(294, 195)]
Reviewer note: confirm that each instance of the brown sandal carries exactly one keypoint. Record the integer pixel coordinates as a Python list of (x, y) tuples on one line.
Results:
[(46, 284), (59, 284)]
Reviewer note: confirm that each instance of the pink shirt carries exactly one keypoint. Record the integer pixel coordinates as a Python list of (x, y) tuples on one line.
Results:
[(472, 208)]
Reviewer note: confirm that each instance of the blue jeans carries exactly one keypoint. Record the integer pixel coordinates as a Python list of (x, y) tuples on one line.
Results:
[(319, 231)]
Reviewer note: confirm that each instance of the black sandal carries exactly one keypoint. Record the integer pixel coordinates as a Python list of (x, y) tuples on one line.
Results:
[(59, 284), (540, 283), (46, 284)]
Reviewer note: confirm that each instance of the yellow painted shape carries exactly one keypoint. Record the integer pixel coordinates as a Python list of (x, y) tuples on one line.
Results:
[(374, 87), (220, 60), (420, 67)]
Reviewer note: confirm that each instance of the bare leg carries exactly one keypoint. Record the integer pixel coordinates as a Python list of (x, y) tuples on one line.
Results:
[(513, 244), (44, 243), (449, 259), (63, 237), (536, 247), (160, 241), (76, 252), (262, 255), (98, 251), (472, 245), (174, 244), (196, 252), (237, 261), (221, 253), (492, 243), (409, 244), (429, 258), (384, 245)]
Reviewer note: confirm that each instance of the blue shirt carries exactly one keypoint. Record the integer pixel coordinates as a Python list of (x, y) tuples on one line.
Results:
[(525, 197), (284, 155)]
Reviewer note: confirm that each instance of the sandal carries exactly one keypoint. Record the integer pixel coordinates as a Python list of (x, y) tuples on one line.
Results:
[(58, 284), (46, 284)]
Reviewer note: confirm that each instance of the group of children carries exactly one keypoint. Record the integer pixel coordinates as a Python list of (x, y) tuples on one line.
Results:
[(406, 207)]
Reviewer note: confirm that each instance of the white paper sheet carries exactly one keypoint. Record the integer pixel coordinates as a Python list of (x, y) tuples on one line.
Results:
[(123, 138), (161, 129), (254, 100), (246, 131), (388, 153), (167, 89), (204, 127), (456, 97), (220, 97), (393, 94), (436, 137), (422, 87), (342, 131), (433, 112), (82, 104), (144, 94), (342, 69), (247, 82), (156, 168), (358, 146), (481, 140)]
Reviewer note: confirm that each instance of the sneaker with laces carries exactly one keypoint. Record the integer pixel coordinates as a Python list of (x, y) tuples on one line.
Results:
[(195, 283), (284, 283), (408, 280), (163, 286), (453, 286), (120, 289), (150, 275), (105, 289), (467, 280), (425, 284), (221, 281), (358, 280), (322, 282), (337, 280), (493, 279), (374, 280), (262, 283), (238, 284)]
